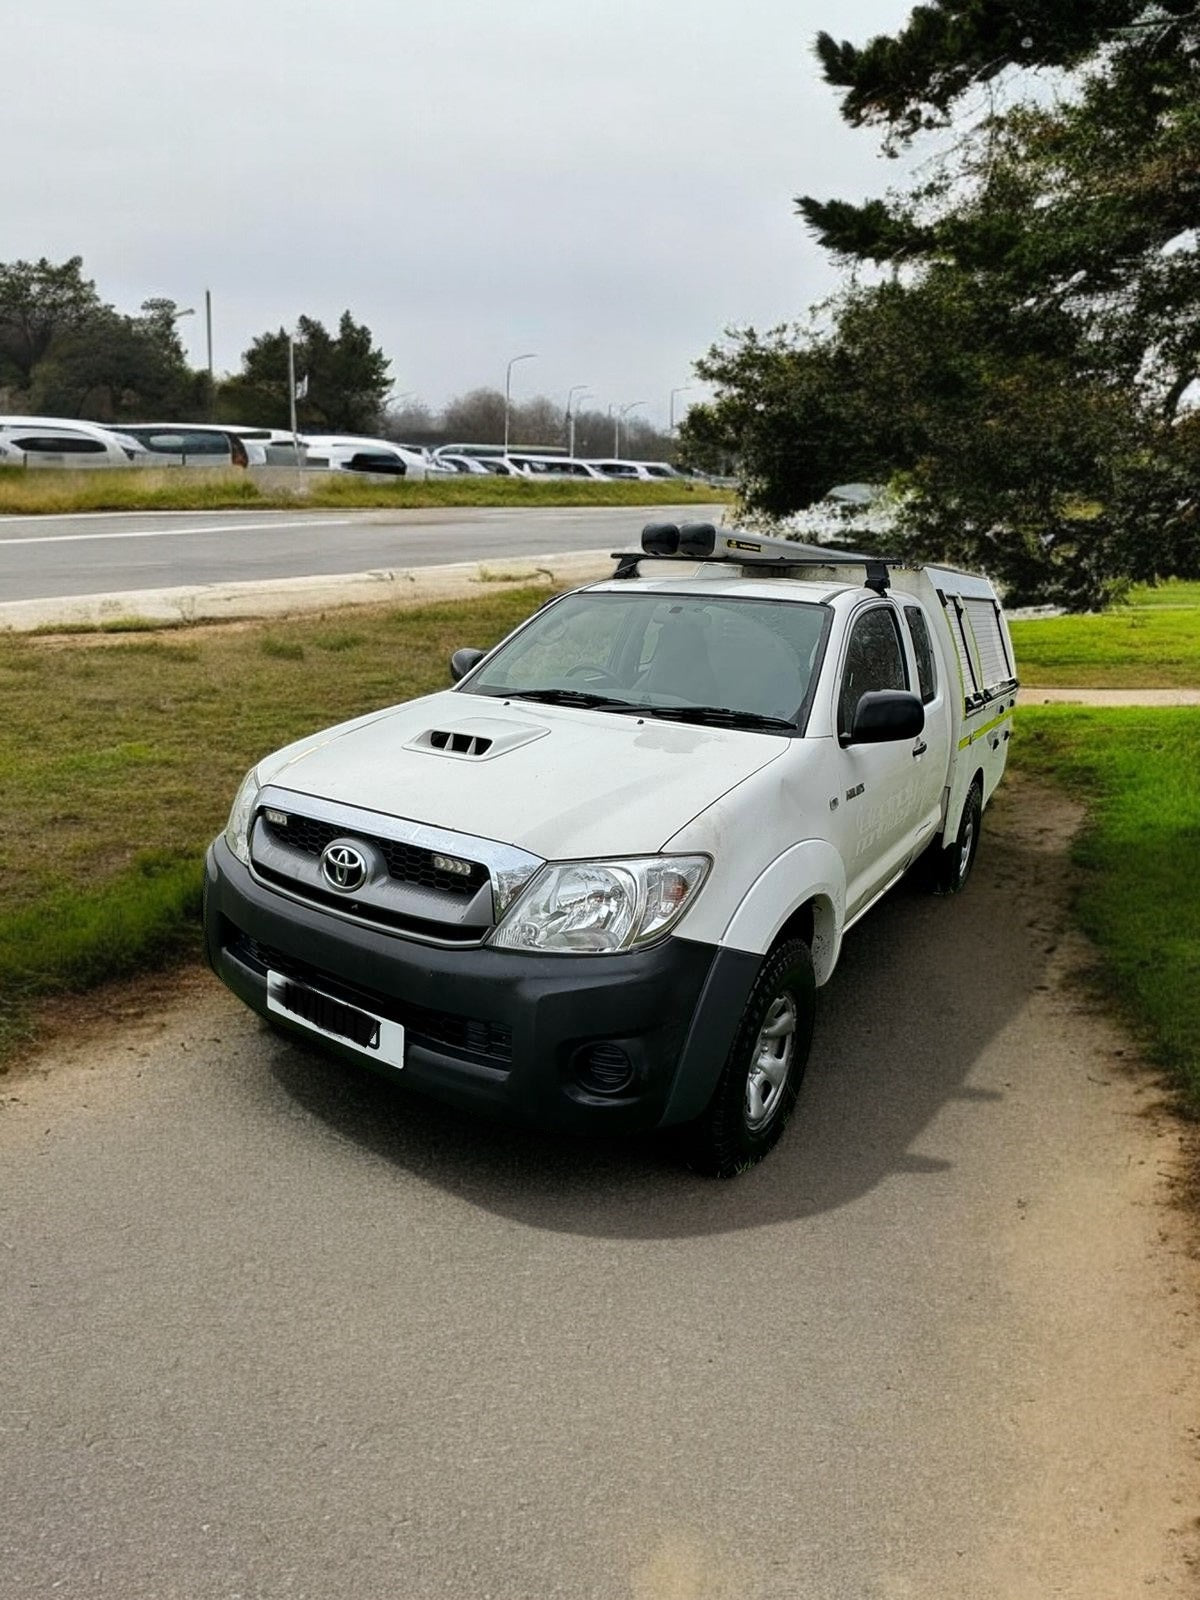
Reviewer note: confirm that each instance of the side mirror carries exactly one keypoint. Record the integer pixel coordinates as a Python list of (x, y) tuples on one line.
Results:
[(886, 714), (462, 661)]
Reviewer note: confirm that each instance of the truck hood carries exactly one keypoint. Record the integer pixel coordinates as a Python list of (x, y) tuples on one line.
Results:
[(560, 782)]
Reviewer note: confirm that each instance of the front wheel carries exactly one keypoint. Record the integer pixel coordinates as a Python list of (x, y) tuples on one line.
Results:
[(757, 1088), (950, 866)]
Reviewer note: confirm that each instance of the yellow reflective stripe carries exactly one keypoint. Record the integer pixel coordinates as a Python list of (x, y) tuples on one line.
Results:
[(978, 733)]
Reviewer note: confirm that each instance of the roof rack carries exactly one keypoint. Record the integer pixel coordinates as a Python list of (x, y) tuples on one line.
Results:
[(704, 541)]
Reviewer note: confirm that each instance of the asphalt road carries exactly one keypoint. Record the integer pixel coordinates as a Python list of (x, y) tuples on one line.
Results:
[(105, 553), (274, 1329)]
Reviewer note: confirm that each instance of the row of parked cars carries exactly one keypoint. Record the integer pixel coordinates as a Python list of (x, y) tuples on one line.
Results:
[(65, 442)]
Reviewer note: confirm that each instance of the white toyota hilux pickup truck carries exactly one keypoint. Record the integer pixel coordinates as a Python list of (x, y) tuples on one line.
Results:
[(596, 883)]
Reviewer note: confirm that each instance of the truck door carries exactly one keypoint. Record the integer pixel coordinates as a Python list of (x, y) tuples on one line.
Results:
[(879, 785)]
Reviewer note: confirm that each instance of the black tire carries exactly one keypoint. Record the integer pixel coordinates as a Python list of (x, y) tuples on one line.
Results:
[(950, 866), (742, 1121)]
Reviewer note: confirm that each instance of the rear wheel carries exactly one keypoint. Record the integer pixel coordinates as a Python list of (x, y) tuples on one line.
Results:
[(950, 867), (757, 1088)]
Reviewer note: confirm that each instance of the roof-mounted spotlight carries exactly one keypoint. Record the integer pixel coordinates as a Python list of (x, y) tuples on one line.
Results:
[(661, 538), (704, 541), (697, 539)]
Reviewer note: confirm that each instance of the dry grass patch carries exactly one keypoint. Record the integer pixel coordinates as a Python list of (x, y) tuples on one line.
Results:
[(120, 755)]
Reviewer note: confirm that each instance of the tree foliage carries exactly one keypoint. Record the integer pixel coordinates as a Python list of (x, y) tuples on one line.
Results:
[(478, 418), (915, 78), (114, 368), (1024, 371), (39, 301), (344, 378), (63, 351)]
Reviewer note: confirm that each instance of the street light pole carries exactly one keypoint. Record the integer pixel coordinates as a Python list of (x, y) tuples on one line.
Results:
[(580, 389), (682, 389), (531, 356), (208, 329), (177, 316), (617, 425)]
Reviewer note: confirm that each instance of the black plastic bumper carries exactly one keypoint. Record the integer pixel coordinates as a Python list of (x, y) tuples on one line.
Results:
[(538, 1037)]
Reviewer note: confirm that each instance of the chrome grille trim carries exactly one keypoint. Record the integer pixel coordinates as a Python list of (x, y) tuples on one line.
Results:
[(507, 869)]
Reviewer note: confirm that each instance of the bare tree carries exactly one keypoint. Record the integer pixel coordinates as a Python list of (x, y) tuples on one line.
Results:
[(475, 418), (538, 422), (413, 423), (640, 440)]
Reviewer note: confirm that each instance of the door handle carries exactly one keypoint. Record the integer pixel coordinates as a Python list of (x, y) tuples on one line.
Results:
[(919, 749)]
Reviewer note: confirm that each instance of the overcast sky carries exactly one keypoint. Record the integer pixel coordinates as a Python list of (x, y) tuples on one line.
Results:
[(607, 183)]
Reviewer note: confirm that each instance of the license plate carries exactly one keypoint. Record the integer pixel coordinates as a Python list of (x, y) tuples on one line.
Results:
[(332, 1018)]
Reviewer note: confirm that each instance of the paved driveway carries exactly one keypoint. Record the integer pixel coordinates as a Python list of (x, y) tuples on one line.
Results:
[(274, 1329)]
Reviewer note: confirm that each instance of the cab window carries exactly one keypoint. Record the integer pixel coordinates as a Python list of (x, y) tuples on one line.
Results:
[(874, 660), (923, 648)]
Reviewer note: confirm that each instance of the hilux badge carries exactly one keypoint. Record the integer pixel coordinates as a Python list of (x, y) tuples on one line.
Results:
[(344, 868)]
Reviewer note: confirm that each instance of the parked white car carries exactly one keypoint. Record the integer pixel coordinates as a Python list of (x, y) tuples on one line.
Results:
[(195, 444), (62, 442), (273, 447), (630, 470), (538, 466), (490, 457), (597, 883), (341, 452)]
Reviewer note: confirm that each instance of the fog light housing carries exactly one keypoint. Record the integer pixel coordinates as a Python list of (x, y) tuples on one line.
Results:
[(603, 1068)]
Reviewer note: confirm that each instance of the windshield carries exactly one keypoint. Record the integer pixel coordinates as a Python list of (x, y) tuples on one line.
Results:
[(664, 652)]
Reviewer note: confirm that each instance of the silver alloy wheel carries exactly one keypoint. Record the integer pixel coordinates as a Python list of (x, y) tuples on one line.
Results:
[(773, 1051), (964, 852)]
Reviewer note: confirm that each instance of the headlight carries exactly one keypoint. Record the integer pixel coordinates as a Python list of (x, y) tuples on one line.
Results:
[(237, 829), (601, 907)]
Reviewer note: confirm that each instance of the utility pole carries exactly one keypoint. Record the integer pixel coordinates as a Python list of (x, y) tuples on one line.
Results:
[(292, 393), (532, 356), (617, 428), (682, 389), (576, 389)]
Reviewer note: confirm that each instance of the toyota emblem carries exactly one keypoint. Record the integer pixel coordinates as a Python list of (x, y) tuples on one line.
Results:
[(344, 868)]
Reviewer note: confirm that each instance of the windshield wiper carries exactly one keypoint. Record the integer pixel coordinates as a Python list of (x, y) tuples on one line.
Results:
[(589, 700), (585, 698), (719, 717)]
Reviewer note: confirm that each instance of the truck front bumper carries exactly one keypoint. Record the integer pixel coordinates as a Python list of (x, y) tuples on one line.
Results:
[(586, 1043)]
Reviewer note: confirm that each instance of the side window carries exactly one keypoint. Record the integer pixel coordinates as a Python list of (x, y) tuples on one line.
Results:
[(923, 646), (205, 444), (62, 444), (989, 642), (874, 660)]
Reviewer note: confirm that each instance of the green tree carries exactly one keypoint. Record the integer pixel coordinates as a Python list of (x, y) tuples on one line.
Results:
[(345, 380), (916, 78), (39, 301), (113, 368), (1024, 371)]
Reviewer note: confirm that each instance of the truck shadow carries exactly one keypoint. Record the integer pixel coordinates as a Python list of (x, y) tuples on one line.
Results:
[(923, 988)]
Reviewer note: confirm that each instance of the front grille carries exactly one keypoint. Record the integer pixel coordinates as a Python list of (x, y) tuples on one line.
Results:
[(472, 1037), (379, 916), (407, 863)]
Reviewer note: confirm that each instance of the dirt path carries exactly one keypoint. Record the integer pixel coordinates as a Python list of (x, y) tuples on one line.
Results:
[(279, 1332), (1035, 696)]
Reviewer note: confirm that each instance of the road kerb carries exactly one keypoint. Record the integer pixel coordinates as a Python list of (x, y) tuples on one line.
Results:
[(401, 586)]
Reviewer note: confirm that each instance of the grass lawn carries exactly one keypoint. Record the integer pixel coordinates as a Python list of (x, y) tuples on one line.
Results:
[(39, 492), (120, 755), (1139, 773), (1151, 642)]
